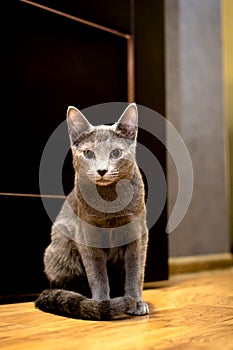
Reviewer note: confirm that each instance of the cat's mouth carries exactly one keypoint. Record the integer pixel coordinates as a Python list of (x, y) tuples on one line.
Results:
[(103, 181)]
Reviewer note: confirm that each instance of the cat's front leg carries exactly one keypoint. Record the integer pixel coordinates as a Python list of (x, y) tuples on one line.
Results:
[(135, 258), (95, 265)]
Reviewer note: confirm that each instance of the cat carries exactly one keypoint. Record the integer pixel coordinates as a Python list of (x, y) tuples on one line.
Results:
[(96, 259)]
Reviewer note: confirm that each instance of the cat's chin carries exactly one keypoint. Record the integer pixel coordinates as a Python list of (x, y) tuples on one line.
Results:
[(103, 182)]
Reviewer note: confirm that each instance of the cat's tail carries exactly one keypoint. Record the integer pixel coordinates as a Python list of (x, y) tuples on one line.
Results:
[(75, 305)]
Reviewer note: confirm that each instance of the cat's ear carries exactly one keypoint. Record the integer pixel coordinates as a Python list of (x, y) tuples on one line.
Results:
[(78, 125), (127, 125)]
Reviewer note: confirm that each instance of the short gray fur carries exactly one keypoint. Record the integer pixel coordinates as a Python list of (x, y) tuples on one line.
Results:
[(99, 276)]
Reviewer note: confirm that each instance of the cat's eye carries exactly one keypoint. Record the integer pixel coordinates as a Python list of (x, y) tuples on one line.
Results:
[(116, 153), (89, 154)]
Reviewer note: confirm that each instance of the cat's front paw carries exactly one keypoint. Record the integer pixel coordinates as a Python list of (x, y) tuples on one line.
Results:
[(140, 309)]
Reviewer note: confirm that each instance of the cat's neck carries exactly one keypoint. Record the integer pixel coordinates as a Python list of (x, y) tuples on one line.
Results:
[(84, 188), (93, 198), (108, 193)]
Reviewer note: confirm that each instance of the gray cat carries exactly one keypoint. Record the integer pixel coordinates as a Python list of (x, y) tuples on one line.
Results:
[(96, 259)]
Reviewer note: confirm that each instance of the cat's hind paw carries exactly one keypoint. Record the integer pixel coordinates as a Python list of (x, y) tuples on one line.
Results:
[(140, 309)]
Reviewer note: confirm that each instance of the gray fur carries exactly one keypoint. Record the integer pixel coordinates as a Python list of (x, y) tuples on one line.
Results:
[(96, 259)]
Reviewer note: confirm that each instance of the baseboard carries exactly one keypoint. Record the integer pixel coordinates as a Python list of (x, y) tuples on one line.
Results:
[(190, 264)]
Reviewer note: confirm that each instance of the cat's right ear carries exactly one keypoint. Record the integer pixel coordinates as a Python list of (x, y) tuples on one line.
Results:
[(78, 125)]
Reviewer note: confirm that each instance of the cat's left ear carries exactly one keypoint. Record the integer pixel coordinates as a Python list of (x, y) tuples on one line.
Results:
[(78, 125), (127, 125)]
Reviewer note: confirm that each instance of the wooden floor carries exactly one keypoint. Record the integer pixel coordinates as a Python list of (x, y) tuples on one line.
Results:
[(187, 312)]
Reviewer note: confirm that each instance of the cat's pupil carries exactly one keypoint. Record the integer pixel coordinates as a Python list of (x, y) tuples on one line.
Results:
[(89, 154), (116, 153)]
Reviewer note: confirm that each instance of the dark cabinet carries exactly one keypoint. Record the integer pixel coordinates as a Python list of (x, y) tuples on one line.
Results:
[(82, 54)]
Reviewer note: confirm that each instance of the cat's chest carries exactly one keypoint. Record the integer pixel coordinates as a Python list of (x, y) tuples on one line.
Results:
[(101, 219), (114, 255)]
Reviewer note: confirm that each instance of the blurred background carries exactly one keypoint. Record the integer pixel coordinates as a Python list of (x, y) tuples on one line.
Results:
[(172, 56), (199, 102)]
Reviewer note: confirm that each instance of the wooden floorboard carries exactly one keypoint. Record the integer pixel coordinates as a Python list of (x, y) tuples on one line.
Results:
[(192, 311)]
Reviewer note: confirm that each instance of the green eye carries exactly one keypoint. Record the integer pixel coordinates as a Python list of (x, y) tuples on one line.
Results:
[(116, 153), (89, 154)]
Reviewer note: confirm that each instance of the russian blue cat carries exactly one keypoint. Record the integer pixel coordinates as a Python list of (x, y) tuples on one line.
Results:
[(96, 259)]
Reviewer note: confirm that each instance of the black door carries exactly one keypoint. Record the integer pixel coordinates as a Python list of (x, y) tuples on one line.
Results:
[(79, 53)]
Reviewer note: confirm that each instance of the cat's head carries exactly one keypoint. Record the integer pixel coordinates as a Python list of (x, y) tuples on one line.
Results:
[(104, 154)]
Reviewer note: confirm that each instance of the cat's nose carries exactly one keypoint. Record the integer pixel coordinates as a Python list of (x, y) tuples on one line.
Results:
[(102, 172)]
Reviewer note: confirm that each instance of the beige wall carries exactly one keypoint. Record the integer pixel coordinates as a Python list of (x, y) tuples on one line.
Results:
[(194, 94), (227, 26)]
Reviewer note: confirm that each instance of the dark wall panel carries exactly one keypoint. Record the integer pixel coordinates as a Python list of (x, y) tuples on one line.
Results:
[(50, 62), (112, 14), (150, 92), (25, 235)]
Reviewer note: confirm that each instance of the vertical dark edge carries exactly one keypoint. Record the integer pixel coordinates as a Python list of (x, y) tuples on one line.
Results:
[(150, 92)]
